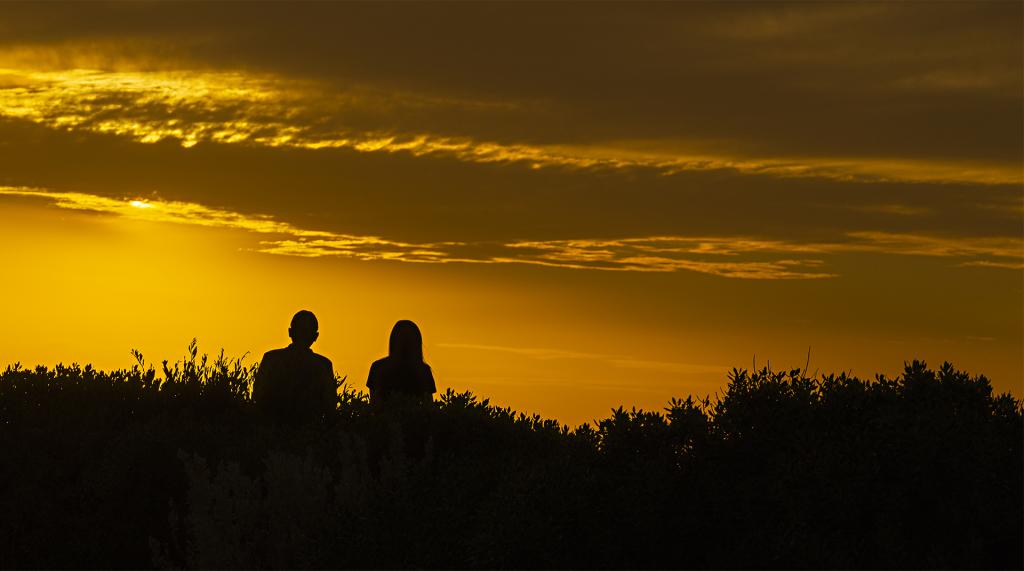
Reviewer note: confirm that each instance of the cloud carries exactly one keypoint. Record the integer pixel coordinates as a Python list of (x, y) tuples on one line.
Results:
[(622, 361), (739, 257), (990, 264), (667, 254), (1005, 248), (320, 243), (194, 107), (926, 85), (139, 208), (364, 248), (671, 253), (895, 209)]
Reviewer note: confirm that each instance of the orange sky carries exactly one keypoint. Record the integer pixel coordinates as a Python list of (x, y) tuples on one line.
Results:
[(582, 206)]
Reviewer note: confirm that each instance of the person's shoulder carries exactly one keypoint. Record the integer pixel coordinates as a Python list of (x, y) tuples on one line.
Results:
[(322, 360), (274, 355), (377, 374), (385, 366), (427, 373), (380, 364)]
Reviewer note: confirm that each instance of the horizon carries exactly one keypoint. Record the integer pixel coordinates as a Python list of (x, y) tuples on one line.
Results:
[(581, 206)]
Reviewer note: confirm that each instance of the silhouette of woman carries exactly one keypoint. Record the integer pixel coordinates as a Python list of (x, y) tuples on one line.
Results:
[(403, 371)]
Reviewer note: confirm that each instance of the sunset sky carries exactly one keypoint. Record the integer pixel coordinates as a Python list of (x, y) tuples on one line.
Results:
[(582, 205)]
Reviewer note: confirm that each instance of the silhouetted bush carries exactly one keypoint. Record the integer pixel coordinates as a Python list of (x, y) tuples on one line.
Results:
[(128, 469)]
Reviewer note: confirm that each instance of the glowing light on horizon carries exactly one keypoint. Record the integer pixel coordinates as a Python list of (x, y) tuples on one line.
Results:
[(762, 258)]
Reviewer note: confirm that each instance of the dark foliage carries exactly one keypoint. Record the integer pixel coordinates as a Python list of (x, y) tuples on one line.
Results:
[(128, 469)]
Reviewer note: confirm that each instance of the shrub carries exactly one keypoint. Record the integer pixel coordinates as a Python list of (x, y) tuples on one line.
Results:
[(132, 469)]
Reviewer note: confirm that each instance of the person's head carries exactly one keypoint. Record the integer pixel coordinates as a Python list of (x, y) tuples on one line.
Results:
[(406, 343), (304, 328)]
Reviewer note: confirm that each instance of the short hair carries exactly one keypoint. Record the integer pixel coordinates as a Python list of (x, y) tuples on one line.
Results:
[(305, 321)]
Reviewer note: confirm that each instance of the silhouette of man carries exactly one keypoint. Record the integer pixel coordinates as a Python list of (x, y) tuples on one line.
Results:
[(294, 385)]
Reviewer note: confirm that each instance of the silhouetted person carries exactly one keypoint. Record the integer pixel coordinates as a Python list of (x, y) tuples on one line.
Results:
[(294, 385), (403, 371)]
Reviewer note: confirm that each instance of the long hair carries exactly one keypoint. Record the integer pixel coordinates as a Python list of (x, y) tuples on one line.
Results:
[(406, 343)]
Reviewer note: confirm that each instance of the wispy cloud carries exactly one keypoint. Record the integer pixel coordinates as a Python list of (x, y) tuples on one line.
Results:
[(669, 253), (1005, 249), (160, 211), (895, 209), (243, 108), (321, 243), (991, 264), (622, 256), (740, 257), (622, 361)]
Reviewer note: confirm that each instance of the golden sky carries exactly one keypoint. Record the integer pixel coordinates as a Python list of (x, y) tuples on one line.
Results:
[(581, 204)]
